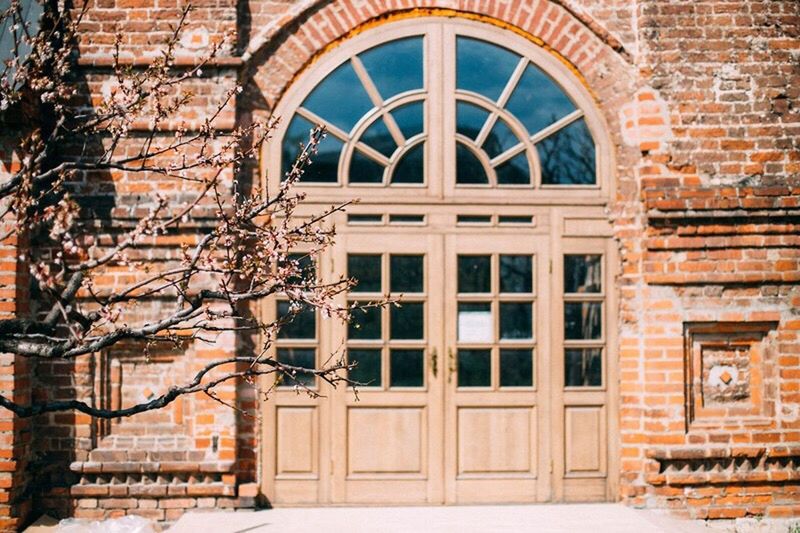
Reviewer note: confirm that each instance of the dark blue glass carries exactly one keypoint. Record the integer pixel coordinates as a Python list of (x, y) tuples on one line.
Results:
[(324, 164), (583, 367), (395, 67), (365, 170), (299, 357), (482, 67), (377, 136), (474, 368), (409, 119), (516, 368), (407, 321), (583, 320), (568, 157), (500, 139), (340, 98), (469, 169), (367, 371), (516, 320), (515, 171), (582, 273), (516, 273), (411, 167), (538, 101), (301, 325), (470, 119), (366, 270), (407, 368)]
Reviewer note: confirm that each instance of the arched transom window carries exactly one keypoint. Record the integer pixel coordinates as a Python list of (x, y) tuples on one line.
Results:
[(443, 102)]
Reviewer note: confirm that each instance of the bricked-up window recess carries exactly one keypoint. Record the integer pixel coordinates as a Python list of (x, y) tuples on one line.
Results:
[(514, 125), (583, 321)]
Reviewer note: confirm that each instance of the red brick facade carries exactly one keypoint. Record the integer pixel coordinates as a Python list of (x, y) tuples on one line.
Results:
[(702, 103)]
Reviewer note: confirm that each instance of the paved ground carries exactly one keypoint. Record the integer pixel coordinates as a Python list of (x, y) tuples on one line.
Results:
[(577, 518)]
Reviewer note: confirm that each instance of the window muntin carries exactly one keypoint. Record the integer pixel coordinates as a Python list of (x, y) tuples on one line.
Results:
[(373, 107), (515, 126), (495, 321), (388, 343), (584, 302)]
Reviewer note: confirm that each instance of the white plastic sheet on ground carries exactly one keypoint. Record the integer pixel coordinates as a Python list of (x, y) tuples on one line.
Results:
[(125, 524)]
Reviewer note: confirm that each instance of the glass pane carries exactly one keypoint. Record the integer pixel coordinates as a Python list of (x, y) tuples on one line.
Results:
[(301, 326), (395, 67), (326, 99), (474, 273), (516, 368), (582, 273), (409, 119), (582, 320), (302, 265), (516, 273), (367, 371), (567, 156), (365, 170), (407, 368), (500, 139), (470, 119), (515, 171), (583, 367), (411, 167), (377, 136), (474, 368), (538, 101), (365, 324), (482, 67), (405, 273), (300, 357), (469, 169), (366, 270), (407, 321), (516, 320), (324, 166), (475, 322)]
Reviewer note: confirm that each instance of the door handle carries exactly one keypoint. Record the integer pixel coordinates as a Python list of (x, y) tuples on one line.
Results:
[(434, 362), (451, 364)]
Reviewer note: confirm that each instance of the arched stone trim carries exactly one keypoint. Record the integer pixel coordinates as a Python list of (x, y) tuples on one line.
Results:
[(306, 8)]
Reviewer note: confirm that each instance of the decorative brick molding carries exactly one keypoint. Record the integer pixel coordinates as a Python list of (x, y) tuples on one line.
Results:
[(728, 381)]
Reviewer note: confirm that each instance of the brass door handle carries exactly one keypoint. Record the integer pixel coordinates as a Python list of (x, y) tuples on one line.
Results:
[(434, 362), (451, 364)]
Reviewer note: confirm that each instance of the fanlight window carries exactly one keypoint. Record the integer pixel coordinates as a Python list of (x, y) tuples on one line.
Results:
[(515, 126)]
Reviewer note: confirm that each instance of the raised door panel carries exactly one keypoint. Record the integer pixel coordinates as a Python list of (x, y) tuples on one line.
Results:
[(385, 441), (297, 442), (495, 440), (585, 450)]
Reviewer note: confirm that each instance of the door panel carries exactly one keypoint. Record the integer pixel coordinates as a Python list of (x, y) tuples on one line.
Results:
[(389, 434), (488, 383), (493, 450)]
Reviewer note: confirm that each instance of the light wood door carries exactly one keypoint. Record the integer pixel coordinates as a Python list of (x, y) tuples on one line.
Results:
[(387, 438), (497, 438)]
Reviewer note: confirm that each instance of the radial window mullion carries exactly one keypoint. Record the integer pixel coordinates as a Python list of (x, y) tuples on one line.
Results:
[(329, 127)]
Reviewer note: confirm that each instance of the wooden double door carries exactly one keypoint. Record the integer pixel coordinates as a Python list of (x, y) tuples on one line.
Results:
[(487, 383)]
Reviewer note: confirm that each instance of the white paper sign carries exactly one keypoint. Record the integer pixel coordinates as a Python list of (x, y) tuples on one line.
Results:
[(475, 326)]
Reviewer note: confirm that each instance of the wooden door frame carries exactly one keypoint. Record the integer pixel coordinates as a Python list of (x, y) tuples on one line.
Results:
[(439, 196)]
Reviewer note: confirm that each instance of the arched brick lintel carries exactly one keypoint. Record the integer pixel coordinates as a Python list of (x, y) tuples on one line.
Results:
[(305, 34), (305, 9)]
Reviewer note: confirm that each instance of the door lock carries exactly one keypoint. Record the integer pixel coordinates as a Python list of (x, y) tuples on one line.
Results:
[(434, 362), (451, 364)]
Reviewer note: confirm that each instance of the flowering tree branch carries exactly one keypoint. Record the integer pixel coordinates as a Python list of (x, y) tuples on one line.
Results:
[(94, 273)]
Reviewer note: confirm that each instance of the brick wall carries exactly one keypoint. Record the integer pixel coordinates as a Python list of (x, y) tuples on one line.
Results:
[(701, 102)]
